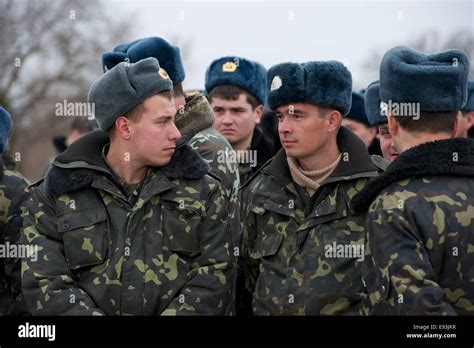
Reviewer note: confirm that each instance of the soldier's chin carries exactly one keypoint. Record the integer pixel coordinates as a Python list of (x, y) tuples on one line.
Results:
[(231, 138), (291, 153), (161, 162)]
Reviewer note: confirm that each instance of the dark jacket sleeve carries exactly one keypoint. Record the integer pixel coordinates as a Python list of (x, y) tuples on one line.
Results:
[(404, 275)]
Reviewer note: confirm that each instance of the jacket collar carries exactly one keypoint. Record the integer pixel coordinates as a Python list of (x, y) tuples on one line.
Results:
[(263, 145), (429, 159), (81, 164)]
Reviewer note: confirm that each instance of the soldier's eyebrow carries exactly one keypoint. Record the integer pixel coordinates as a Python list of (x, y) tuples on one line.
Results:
[(237, 108), (300, 112), (163, 118)]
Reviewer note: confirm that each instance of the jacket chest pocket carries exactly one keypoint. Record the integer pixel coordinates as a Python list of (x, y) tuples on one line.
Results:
[(344, 252), (266, 245), (273, 222), (181, 223), (85, 237), (338, 233)]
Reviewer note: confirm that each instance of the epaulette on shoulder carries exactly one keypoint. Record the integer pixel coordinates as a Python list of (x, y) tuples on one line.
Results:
[(36, 183), (249, 180), (214, 176), (380, 162)]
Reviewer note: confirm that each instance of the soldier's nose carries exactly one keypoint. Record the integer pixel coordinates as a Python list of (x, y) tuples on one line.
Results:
[(283, 127), (175, 134)]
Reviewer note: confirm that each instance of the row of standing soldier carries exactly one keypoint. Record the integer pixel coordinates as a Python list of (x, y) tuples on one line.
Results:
[(181, 204)]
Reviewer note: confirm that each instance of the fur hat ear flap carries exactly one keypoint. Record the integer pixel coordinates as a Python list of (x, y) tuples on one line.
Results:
[(111, 59), (470, 97), (372, 105)]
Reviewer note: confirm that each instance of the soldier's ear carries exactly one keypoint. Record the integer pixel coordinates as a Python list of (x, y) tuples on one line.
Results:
[(457, 129), (393, 125), (372, 132), (334, 120), (122, 127), (470, 118), (258, 113)]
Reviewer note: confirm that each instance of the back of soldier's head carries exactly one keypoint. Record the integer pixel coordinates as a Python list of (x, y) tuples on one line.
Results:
[(424, 92)]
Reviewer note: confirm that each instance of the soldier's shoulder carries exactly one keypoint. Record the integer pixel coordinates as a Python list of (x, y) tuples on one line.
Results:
[(11, 177), (215, 177), (380, 162), (397, 195), (13, 185), (206, 182), (257, 178), (210, 136), (36, 184)]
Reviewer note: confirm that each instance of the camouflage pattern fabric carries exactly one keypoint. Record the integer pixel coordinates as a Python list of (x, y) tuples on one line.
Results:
[(168, 253), (212, 146), (420, 227), (195, 123), (292, 241), (13, 199)]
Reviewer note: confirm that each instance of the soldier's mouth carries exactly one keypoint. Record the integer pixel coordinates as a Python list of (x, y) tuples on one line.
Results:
[(288, 142)]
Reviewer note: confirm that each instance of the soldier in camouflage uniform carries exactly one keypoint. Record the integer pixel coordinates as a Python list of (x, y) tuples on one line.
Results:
[(13, 198), (111, 245), (295, 220), (236, 90), (212, 146), (420, 220), (194, 118)]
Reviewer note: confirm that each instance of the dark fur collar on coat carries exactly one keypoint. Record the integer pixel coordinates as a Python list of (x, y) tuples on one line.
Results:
[(429, 159), (82, 162), (263, 145), (196, 116)]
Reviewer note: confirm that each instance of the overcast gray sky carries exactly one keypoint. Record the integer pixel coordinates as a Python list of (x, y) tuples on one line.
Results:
[(272, 32)]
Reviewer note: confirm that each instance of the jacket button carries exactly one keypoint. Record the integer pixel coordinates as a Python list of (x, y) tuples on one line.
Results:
[(65, 225)]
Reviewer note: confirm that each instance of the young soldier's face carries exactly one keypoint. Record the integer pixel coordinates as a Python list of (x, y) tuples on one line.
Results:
[(154, 136), (235, 119), (303, 130), (365, 133), (386, 144)]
